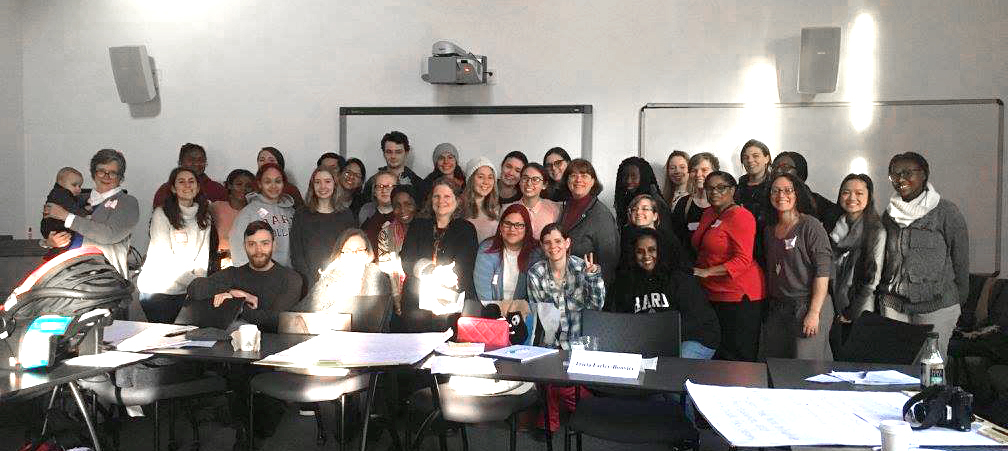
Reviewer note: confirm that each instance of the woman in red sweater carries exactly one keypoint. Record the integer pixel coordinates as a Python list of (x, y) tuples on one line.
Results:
[(732, 279)]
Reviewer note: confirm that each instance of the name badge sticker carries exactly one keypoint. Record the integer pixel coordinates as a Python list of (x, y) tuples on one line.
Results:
[(716, 223), (790, 243), (693, 226)]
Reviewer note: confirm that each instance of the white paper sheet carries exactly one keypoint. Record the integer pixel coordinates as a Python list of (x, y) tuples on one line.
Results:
[(107, 359), (356, 349), (884, 377), (759, 417), (153, 337), (442, 364), (649, 364)]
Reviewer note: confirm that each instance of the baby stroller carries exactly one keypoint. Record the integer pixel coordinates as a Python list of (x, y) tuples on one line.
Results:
[(60, 310)]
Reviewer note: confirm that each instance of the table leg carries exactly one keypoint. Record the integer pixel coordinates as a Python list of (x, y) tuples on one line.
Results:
[(431, 417), (75, 390), (52, 402), (368, 400)]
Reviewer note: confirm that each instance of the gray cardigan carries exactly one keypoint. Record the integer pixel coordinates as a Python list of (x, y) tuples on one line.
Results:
[(110, 228), (926, 264), (595, 231)]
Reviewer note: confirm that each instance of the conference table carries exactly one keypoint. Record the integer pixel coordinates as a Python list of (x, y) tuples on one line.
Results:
[(791, 373)]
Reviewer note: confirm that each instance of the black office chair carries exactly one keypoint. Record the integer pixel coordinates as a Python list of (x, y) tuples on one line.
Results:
[(877, 339), (618, 415), (373, 316), (154, 382), (462, 408)]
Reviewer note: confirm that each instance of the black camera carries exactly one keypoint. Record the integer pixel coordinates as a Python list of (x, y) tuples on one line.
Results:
[(942, 406)]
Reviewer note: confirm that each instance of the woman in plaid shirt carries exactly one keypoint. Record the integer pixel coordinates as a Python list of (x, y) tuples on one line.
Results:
[(560, 287)]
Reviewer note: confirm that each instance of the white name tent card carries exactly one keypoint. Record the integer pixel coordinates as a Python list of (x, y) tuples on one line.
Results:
[(610, 364)]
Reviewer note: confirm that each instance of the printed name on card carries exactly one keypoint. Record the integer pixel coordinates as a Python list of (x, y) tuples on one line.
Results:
[(610, 364)]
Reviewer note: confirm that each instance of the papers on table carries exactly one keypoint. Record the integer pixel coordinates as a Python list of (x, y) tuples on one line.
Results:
[(153, 337), (759, 417), (886, 377), (442, 364), (356, 349), (521, 353), (107, 359), (461, 349)]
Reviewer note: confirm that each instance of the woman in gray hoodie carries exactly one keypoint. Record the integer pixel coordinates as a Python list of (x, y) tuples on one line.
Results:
[(269, 204)]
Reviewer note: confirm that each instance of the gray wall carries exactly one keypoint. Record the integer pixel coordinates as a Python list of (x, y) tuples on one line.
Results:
[(12, 174), (240, 75)]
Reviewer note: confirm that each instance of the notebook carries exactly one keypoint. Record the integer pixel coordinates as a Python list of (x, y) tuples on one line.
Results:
[(520, 353)]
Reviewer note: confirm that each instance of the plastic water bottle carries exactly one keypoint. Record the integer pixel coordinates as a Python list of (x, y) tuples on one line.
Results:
[(932, 363)]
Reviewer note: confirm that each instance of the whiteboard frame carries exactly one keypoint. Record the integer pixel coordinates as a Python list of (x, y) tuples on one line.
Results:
[(641, 129), (584, 110)]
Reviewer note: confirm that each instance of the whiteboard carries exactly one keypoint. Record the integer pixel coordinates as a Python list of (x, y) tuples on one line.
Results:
[(961, 139), (491, 131)]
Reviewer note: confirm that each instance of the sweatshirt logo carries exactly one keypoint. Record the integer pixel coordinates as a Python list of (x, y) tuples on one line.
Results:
[(650, 301)]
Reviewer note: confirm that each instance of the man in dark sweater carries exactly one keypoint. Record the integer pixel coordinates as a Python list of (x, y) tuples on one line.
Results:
[(653, 285), (268, 287)]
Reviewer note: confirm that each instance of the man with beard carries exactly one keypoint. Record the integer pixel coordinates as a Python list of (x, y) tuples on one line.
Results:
[(268, 287)]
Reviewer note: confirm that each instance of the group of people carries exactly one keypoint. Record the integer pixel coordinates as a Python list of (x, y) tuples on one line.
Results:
[(759, 266)]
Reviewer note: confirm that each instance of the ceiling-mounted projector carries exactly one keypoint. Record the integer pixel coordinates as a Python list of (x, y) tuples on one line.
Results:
[(453, 65)]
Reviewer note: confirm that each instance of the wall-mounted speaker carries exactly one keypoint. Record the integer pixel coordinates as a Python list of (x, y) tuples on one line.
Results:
[(819, 60), (134, 77)]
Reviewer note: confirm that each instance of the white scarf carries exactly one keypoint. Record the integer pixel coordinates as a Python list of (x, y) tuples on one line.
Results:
[(905, 213), (97, 198)]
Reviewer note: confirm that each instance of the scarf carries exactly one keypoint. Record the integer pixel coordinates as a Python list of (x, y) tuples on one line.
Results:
[(97, 198), (904, 213), (573, 211)]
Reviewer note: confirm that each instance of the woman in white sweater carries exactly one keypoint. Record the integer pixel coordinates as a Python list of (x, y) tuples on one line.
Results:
[(179, 249)]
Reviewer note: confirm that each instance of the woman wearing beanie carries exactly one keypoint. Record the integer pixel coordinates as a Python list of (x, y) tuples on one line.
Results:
[(480, 204), (446, 164)]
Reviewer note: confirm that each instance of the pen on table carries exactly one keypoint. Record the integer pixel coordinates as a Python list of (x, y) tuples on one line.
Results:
[(176, 333)]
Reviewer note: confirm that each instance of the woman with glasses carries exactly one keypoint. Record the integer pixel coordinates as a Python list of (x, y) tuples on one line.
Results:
[(351, 179), (590, 224), (270, 204), (794, 163), (858, 241), (642, 216), (113, 214), (373, 215), (925, 272), (798, 261), (502, 261), (633, 178), (348, 273), (688, 210), (555, 161), (318, 224), (439, 241), (531, 183), (731, 278), (480, 203)]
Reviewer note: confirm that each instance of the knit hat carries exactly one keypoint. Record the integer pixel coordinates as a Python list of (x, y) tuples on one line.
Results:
[(477, 163), (444, 148)]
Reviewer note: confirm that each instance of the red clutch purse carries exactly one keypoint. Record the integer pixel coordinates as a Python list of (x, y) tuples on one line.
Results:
[(494, 333)]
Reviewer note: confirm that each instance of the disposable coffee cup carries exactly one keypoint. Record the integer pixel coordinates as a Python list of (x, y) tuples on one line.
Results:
[(895, 435), (248, 335)]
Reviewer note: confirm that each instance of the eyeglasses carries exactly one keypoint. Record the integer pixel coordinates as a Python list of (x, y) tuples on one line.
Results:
[(720, 189), (556, 164), (351, 174), (781, 191), (513, 225), (383, 187), (905, 174), (526, 179), (106, 173), (641, 208), (362, 250)]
